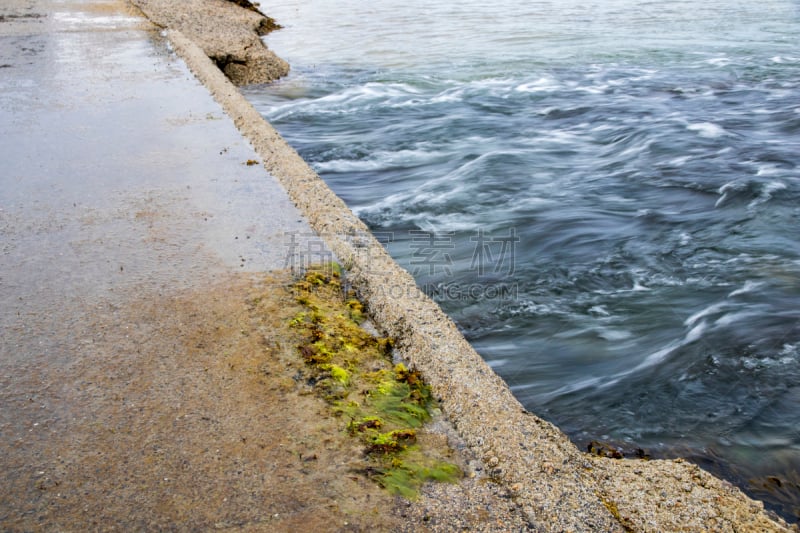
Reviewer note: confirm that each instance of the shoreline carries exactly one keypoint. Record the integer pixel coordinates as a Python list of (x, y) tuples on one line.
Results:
[(557, 486), (228, 32)]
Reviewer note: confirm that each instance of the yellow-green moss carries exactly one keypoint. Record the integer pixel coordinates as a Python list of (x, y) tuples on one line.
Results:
[(614, 510), (384, 404), (339, 374)]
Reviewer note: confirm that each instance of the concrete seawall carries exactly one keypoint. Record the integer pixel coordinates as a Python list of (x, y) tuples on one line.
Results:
[(149, 376), (559, 487)]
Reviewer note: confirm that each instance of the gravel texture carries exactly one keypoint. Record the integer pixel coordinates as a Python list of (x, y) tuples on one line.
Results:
[(230, 35), (557, 487)]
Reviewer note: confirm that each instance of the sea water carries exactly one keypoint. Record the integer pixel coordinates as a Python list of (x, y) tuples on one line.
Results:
[(603, 195)]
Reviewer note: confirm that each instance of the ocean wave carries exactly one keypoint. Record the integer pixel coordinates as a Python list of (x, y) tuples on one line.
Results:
[(749, 286), (382, 160), (656, 358), (546, 84), (361, 97), (710, 310), (754, 192)]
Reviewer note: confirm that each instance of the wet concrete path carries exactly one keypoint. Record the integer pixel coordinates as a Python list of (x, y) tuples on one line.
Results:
[(118, 168), (131, 226)]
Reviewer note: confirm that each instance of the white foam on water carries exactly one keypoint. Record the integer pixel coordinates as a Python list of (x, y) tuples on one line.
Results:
[(710, 310), (614, 334), (680, 161), (790, 350), (789, 354), (759, 363), (531, 203), (448, 96), (557, 136), (718, 61), (571, 333), (440, 191), (708, 130), (728, 319), (418, 99), (594, 89), (530, 307), (646, 74), (774, 186), (769, 170), (726, 190), (695, 333), (497, 363), (601, 128), (653, 359), (766, 193), (543, 84), (659, 356), (566, 389), (381, 160), (637, 149), (749, 286), (438, 223), (784, 59), (351, 99), (723, 191)]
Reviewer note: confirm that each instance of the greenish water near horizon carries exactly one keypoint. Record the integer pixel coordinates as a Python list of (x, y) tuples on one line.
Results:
[(604, 197)]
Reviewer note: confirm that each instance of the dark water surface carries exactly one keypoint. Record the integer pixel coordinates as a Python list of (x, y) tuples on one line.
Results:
[(603, 196)]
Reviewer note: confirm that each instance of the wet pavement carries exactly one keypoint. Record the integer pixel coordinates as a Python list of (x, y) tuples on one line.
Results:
[(117, 166), (124, 191), (148, 375)]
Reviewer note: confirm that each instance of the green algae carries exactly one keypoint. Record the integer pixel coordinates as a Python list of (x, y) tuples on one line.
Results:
[(614, 510), (339, 374), (385, 405), (404, 476)]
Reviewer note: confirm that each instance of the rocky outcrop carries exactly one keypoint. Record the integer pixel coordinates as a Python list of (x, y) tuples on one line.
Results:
[(227, 32)]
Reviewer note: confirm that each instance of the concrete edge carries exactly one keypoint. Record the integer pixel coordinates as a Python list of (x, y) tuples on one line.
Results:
[(557, 486), (228, 31)]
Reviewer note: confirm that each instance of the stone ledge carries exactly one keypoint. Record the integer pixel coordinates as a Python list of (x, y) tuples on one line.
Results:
[(230, 35)]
